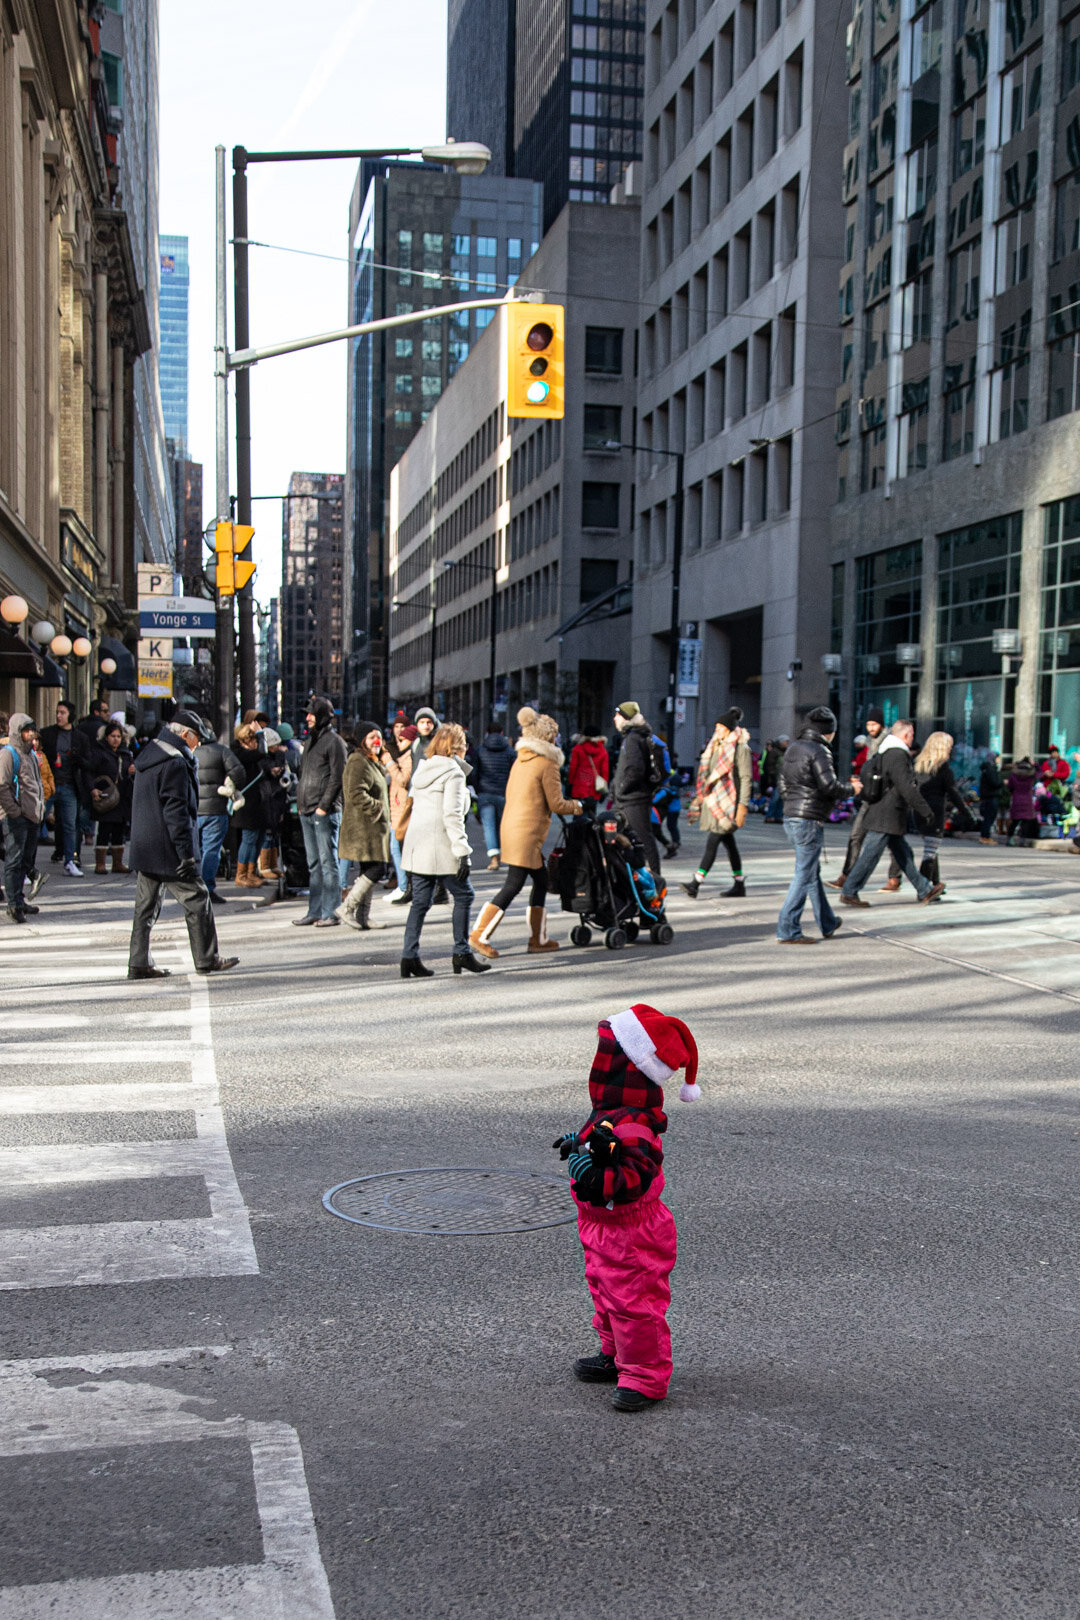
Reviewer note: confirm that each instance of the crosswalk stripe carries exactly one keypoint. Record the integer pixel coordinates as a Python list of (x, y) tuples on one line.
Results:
[(143, 1096)]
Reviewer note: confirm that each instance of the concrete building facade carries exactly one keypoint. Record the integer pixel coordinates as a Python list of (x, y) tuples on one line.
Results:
[(312, 598), (957, 529), (548, 504), (447, 238), (741, 243)]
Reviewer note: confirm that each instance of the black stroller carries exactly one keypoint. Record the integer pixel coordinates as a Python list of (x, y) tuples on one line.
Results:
[(599, 872)]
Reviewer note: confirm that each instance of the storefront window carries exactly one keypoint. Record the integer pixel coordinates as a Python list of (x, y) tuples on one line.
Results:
[(978, 593)]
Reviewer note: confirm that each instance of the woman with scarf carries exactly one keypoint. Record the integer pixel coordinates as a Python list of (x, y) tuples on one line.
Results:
[(724, 785)]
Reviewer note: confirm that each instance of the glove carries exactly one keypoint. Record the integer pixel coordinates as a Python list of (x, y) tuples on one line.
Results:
[(579, 1164), (604, 1144), (464, 868), (588, 809), (187, 868), (566, 1144)]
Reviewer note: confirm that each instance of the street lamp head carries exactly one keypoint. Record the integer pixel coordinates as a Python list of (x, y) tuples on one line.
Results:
[(464, 157)]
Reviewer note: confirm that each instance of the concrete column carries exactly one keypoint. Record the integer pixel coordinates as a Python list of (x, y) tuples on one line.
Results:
[(1031, 562), (117, 457), (102, 384)]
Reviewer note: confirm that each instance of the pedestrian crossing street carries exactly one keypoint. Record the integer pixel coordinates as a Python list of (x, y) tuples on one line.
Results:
[(111, 1132)]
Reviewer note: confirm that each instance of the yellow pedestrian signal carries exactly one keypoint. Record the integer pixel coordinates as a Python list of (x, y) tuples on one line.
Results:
[(535, 367), (232, 571)]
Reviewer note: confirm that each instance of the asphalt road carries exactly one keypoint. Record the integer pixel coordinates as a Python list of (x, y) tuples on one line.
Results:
[(220, 1400)]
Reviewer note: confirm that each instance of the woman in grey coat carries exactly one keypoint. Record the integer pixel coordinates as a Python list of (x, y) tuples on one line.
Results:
[(437, 849)]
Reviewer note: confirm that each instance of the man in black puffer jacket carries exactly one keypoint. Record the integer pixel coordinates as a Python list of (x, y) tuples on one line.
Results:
[(318, 803), (887, 817), (165, 848), (633, 786), (810, 789), (494, 759)]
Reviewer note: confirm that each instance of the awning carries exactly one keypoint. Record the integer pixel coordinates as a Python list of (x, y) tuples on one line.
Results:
[(18, 660), (54, 675), (125, 678), (610, 604)]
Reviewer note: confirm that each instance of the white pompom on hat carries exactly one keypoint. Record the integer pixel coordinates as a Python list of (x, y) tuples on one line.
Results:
[(658, 1044)]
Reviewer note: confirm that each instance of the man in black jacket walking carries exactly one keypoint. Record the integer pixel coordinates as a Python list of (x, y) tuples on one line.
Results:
[(165, 848), (810, 789), (318, 803), (887, 817), (633, 786)]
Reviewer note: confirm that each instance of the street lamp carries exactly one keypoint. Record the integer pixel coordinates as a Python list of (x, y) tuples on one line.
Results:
[(465, 157), (676, 573), (492, 569), (14, 609)]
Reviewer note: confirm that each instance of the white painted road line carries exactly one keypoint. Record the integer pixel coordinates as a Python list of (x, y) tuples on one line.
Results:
[(144, 1096)]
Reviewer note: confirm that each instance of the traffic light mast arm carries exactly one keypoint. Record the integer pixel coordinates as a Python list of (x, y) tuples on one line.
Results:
[(251, 357)]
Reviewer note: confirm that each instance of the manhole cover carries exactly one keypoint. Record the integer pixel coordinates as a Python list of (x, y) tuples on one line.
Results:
[(454, 1202)]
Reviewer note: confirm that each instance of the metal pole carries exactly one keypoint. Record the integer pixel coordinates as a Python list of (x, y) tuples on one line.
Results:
[(226, 681), (494, 633), (245, 597), (431, 672), (676, 582)]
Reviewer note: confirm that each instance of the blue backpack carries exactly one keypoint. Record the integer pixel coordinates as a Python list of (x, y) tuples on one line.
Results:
[(15, 773)]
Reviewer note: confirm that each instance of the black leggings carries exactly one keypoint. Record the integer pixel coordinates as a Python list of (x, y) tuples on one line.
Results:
[(712, 844), (515, 882)]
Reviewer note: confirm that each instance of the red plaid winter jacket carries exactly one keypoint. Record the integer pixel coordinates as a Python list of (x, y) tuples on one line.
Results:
[(633, 1105)]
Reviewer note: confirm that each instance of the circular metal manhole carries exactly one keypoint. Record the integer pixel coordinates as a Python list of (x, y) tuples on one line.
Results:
[(453, 1202)]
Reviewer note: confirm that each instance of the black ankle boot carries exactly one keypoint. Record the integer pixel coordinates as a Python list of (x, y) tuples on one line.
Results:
[(413, 968), (691, 888), (469, 964), (737, 890), (599, 1369), (631, 1400)]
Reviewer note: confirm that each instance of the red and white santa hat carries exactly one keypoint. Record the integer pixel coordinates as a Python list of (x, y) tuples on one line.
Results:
[(658, 1045)]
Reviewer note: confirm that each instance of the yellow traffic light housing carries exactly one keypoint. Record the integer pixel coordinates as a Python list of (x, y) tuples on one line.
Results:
[(231, 570), (535, 365)]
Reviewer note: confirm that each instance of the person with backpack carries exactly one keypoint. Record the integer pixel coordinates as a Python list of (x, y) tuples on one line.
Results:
[(22, 801), (875, 736), (889, 790), (638, 774)]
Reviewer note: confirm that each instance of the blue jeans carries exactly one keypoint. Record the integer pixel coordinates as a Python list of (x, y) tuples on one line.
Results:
[(491, 807), (212, 830), (774, 810), (66, 804), (395, 856), (423, 895), (807, 839), (320, 847), (873, 846), (248, 853)]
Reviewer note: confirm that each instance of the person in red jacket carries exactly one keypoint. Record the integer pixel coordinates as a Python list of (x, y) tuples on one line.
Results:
[(616, 1178), (590, 769)]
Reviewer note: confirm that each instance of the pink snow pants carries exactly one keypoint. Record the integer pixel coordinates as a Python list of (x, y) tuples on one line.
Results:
[(629, 1253)]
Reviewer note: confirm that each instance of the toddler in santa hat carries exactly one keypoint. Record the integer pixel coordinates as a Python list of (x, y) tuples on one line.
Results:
[(616, 1178)]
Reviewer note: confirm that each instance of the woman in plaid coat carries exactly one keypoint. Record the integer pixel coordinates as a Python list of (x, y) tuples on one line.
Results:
[(724, 785), (616, 1178)]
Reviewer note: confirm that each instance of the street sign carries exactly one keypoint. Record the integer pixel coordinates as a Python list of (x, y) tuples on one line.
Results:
[(155, 650), (155, 679), (154, 580), (689, 668), (176, 616)]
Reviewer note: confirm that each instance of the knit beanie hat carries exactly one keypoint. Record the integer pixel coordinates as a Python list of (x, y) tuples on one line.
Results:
[(539, 726), (409, 734), (730, 718), (629, 711), (875, 717), (657, 1044)]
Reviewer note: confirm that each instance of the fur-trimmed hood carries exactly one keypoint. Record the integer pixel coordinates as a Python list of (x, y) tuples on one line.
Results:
[(545, 750)]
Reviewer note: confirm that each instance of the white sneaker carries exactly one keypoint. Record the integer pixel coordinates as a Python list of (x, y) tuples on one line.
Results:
[(72, 870), (389, 899)]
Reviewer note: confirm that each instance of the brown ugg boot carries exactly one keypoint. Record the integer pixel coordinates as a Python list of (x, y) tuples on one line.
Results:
[(245, 876), (538, 935), (99, 861), (118, 860), (493, 864), (268, 863), (486, 924)]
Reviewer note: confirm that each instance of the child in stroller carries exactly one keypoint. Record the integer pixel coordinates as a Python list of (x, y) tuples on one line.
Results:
[(600, 872)]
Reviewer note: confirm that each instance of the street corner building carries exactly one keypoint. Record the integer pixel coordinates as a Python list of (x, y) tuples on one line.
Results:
[(957, 528), (84, 486), (510, 539)]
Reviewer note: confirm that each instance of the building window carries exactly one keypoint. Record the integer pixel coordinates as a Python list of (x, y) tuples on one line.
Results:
[(602, 427), (959, 410), (485, 247), (113, 69), (603, 350), (403, 383), (598, 574), (403, 348), (1059, 653), (888, 611), (978, 593), (1009, 382), (599, 506)]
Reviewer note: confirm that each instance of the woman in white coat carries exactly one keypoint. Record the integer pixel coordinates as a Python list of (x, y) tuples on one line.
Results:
[(437, 849)]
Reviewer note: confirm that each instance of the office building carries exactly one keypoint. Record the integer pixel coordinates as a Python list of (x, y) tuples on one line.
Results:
[(446, 237), (744, 131), (553, 87), (192, 554), (549, 505), (312, 593), (958, 517), (173, 321)]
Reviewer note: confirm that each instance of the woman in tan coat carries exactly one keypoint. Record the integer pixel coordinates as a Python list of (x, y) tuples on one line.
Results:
[(533, 796), (364, 835)]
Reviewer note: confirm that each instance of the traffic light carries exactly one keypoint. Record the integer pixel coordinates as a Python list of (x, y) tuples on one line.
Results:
[(231, 570), (535, 379)]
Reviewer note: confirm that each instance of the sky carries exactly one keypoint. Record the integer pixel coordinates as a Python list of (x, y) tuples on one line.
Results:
[(271, 75)]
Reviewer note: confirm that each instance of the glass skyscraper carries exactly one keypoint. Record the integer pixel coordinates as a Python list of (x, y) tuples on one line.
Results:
[(173, 312)]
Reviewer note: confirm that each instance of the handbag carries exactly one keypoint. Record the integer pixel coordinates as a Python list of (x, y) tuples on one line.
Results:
[(104, 795)]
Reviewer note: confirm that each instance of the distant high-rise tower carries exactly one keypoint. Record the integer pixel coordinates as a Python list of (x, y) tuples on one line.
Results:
[(311, 592), (173, 313), (553, 87)]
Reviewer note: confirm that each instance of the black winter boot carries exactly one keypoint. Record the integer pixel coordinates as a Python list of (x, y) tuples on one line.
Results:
[(691, 888), (737, 890), (596, 1369), (631, 1400)]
